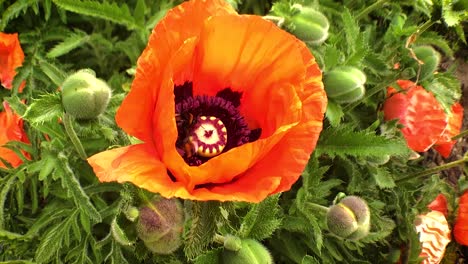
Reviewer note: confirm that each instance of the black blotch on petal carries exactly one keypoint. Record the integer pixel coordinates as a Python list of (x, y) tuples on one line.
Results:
[(173, 179), (255, 134), (231, 96), (182, 92)]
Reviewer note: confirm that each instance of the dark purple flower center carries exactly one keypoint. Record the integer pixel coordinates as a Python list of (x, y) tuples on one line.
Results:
[(209, 125)]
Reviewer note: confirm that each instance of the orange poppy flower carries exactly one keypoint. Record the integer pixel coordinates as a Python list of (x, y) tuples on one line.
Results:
[(11, 57), (445, 143), (460, 230), (229, 107), (11, 129), (422, 116)]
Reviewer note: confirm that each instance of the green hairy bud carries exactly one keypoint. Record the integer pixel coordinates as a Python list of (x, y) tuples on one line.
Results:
[(309, 25), (160, 225), (431, 59), (84, 96), (251, 251), (345, 84), (350, 218)]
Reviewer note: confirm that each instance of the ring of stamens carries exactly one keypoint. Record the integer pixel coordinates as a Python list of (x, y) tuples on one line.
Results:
[(208, 136)]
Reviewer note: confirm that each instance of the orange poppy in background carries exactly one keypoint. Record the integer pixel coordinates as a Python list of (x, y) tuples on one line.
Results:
[(460, 230), (229, 107), (420, 113), (439, 204), (444, 144), (11, 129), (11, 57)]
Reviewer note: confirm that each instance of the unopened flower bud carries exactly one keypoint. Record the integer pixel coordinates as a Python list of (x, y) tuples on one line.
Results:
[(345, 84), (160, 225), (350, 218), (84, 96), (431, 59), (251, 251), (309, 25)]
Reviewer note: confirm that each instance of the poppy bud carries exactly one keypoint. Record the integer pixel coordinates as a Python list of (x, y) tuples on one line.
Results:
[(430, 57), (350, 218), (251, 251), (344, 84), (160, 225), (309, 25), (84, 96)]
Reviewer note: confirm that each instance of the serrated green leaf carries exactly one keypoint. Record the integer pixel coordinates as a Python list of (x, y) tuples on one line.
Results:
[(446, 88), (334, 113), (119, 235), (262, 219), (11, 236), (343, 141), (56, 75), (47, 108), (5, 189), (212, 256), (139, 12), (14, 10), (105, 10), (351, 30), (382, 177), (309, 260), (73, 187), (70, 43)]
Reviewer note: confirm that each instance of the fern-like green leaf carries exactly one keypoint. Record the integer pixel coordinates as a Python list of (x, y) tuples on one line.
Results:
[(334, 113), (446, 88), (70, 43), (56, 75), (14, 10), (382, 177), (5, 189), (45, 109), (262, 220), (351, 30), (343, 141), (73, 187), (105, 10)]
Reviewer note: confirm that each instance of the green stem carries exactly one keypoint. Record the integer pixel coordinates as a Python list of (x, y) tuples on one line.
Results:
[(462, 134), (433, 170), (425, 26), (279, 21), (318, 207), (370, 9), (67, 122)]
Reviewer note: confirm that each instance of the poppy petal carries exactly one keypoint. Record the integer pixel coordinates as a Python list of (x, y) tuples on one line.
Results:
[(460, 230), (181, 23), (439, 204), (445, 143), (255, 58), (11, 129), (420, 113), (11, 57)]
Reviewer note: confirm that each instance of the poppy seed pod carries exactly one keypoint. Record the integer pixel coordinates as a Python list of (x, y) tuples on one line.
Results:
[(431, 59), (345, 84), (350, 218), (251, 251), (309, 25), (160, 225), (84, 96)]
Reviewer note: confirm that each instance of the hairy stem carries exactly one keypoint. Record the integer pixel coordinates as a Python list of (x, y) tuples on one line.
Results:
[(318, 207), (431, 171), (67, 122), (370, 8)]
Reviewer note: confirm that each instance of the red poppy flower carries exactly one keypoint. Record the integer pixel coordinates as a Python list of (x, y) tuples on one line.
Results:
[(460, 230), (422, 116), (228, 106), (11, 129), (11, 57), (445, 143), (439, 204)]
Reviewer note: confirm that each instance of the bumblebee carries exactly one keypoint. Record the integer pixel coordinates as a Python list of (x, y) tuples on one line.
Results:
[(185, 122)]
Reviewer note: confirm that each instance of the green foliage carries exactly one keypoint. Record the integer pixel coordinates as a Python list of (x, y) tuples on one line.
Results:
[(262, 219)]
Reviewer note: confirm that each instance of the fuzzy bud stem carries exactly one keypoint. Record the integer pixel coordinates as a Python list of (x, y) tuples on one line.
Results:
[(67, 122)]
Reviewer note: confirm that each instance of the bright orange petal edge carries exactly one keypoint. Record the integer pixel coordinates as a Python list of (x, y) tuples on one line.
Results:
[(11, 129), (11, 57), (444, 144), (182, 43), (460, 230)]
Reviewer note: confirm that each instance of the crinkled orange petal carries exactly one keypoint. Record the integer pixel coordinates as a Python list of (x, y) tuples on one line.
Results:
[(445, 143), (434, 235), (420, 113), (11, 57), (181, 23), (460, 230), (11, 129)]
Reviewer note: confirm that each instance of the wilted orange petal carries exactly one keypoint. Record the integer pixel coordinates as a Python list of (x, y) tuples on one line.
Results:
[(434, 235), (445, 143), (422, 116), (460, 230), (181, 23), (11, 57)]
